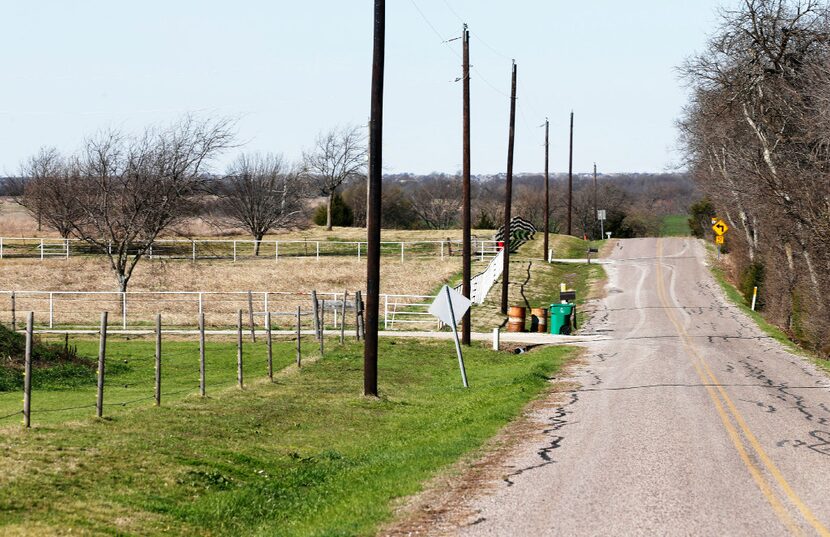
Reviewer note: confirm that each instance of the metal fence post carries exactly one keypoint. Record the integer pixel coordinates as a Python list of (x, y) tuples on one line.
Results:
[(51, 310), (358, 251), (102, 353), (386, 312), (158, 360), (194, 251), (67, 248), (401, 251), (123, 310), (27, 373), (202, 354), (276, 250), (318, 250), (234, 251), (41, 249)]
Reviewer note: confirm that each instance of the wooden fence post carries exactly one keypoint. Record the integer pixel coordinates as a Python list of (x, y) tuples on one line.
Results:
[(268, 344), (239, 348), (158, 360), (202, 354), (343, 317), (27, 373), (102, 354), (315, 314), (299, 353), (360, 320), (357, 315), (251, 315)]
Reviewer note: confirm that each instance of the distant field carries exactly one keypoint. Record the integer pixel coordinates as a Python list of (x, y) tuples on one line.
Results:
[(676, 225)]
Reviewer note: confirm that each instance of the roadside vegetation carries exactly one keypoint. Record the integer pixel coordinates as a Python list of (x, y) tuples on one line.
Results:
[(755, 135), (305, 455)]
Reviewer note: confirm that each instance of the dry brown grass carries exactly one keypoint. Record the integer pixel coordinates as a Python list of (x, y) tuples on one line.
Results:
[(295, 276)]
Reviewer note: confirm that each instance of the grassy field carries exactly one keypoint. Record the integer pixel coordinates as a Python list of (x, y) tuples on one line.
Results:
[(306, 455), (675, 225)]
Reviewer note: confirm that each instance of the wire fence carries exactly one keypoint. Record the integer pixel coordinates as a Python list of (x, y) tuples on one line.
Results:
[(238, 250), (152, 371)]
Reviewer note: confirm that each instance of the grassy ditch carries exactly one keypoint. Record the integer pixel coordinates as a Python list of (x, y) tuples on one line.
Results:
[(306, 455), (773, 331)]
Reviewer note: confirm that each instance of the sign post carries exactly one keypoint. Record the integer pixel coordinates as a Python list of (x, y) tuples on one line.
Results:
[(450, 306), (720, 228), (601, 218)]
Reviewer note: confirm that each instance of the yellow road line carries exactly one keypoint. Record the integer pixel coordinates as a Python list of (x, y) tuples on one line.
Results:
[(765, 488)]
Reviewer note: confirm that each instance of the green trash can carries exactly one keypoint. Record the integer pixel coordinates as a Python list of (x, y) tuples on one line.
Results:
[(560, 318)]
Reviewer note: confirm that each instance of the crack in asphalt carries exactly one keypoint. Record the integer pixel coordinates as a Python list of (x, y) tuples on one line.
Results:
[(557, 421)]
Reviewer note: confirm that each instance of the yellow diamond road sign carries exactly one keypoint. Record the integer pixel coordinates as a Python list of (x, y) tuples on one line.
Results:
[(720, 227)]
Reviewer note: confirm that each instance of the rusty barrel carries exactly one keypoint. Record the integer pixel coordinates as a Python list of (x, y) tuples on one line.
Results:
[(516, 319), (539, 320)]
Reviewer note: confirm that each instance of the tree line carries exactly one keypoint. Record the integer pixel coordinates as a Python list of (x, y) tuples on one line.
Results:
[(121, 191), (757, 140)]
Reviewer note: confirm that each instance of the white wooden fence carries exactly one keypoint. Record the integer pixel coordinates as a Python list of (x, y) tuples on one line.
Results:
[(235, 249), (137, 309), (482, 282)]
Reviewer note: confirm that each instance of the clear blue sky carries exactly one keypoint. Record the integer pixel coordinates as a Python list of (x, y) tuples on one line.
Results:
[(288, 70)]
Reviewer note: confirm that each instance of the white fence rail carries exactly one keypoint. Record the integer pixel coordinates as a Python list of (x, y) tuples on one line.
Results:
[(137, 309), (204, 249), (482, 282)]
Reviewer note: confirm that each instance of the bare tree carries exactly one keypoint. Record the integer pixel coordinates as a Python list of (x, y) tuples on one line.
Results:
[(128, 190), (259, 193), (756, 139), (436, 202), (338, 156), (46, 184)]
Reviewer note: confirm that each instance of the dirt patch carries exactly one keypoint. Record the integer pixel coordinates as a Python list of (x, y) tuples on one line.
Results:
[(445, 502)]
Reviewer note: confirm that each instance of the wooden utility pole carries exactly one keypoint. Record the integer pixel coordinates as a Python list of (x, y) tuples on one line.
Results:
[(547, 188), (465, 191), (508, 196), (595, 197), (571, 177), (370, 344)]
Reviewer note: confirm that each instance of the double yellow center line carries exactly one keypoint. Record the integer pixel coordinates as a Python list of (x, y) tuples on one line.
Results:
[(744, 441)]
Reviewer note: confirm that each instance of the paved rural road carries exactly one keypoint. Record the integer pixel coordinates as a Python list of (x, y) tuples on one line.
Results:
[(688, 421)]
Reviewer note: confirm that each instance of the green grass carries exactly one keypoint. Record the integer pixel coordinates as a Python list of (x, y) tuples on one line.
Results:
[(130, 367), (675, 225), (306, 455)]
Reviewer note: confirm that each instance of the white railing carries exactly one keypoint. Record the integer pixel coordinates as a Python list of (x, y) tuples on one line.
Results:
[(137, 309), (482, 282), (236, 249)]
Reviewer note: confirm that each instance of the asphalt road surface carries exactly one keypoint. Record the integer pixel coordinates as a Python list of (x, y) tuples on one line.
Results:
[(688, 421)]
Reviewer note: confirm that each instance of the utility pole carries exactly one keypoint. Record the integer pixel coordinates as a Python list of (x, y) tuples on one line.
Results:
[(596, 215), (370, 344), (571, 177), (508, 196), (547, 188), (465, 191)]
